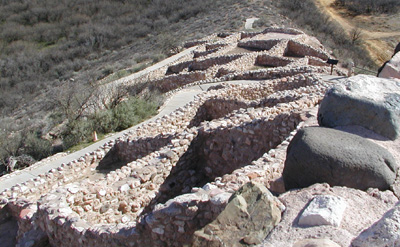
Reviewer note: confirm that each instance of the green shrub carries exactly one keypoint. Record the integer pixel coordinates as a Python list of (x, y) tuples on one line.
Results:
[(103, 121), (124, 116), (77, 131), (36, 147), (28, 144)]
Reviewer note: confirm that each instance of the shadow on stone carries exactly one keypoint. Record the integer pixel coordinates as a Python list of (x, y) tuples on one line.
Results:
[(214, 153), (218, 108), (125, 152), (8, 228)]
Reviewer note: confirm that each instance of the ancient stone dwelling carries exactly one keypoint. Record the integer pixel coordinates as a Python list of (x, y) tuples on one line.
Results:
[(171, 177)]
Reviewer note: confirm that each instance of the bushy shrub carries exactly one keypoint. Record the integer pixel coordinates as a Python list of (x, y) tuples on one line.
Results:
[(76, 131), (122, 116), (125, 116), (36, 147), (103, 121), (28, 146)]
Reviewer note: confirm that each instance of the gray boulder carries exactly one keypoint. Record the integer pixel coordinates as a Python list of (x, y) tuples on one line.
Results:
[(251, 213), (367, 101), (324, 155)]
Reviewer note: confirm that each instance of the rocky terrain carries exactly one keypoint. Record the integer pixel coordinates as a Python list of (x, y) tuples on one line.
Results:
[(224, 169)]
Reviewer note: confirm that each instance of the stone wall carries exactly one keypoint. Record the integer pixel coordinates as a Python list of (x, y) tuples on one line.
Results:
[(313, 61), (172, 82), (194, 43), (266, 74), (104, 95), (267, 94), (297, 49), (204, 53), (272, 61), (259, 45), (218, 160), (290, 31), (207, 63), (214, 46), (179, 67)]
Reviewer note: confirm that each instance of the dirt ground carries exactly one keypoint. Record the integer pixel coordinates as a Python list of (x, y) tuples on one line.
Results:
[(379, 33)]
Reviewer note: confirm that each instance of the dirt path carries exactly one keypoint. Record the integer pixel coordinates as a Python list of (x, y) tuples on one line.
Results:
[(374, 41)]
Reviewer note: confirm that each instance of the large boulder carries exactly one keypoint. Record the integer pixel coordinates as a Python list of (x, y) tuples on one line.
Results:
[(324, 155), (384, 232), (367, 101), (251, 213), (391, 69)]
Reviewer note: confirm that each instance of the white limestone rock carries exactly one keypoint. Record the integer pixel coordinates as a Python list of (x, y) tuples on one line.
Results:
[(73, 189), (124, 188), (209, 186), (323, 210), (221, 198)]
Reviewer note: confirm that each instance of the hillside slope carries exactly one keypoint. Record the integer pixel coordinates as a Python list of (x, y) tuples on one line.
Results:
[(379, 33)]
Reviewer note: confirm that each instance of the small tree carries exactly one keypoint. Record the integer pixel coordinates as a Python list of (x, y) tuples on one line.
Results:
[(73, 99), (355, 35)]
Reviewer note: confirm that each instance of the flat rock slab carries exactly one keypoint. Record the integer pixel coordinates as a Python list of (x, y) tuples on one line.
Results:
[(383, 233), (324, 155), (251, 213), (249, 23), (363, 100), (323, 210)]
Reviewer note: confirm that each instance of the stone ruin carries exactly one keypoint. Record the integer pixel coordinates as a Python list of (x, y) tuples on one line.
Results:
[(166, 179)]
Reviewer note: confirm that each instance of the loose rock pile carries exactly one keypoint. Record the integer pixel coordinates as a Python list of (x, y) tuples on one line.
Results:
[(176, 181)]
